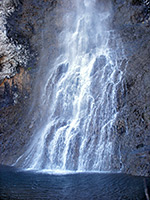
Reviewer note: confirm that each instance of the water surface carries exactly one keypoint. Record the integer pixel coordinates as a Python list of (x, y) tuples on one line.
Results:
[(29, 185)]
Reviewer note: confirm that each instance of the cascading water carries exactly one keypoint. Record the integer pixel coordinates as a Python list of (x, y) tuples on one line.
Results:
[(79, 96)]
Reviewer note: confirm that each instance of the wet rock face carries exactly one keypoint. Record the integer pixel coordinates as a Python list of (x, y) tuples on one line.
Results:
[(21, 25), (12, 90), (132, 21)]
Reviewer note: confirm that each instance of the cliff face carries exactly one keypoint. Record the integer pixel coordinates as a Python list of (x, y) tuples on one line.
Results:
[(21, 35), (23, 26), (132, 21)]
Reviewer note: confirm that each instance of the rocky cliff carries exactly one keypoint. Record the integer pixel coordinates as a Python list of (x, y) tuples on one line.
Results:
[(132, 21), (23, 26), (21, 33)]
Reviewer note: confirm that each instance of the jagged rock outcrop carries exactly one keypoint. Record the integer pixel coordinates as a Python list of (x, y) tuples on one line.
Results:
[(14, 58), (12, 53)]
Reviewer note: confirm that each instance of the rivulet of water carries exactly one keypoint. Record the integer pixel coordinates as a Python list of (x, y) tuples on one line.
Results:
[(79, 95)]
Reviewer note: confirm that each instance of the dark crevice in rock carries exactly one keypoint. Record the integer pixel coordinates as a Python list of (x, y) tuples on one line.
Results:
[(139, 146), (137, 2)]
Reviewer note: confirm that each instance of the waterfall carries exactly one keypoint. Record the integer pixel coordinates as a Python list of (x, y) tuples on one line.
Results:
[(79, 95)]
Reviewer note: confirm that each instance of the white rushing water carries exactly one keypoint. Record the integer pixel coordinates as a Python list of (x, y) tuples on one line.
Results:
[(79, 95)]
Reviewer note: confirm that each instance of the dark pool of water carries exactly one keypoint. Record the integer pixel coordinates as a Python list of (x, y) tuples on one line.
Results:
[(16, 184)]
